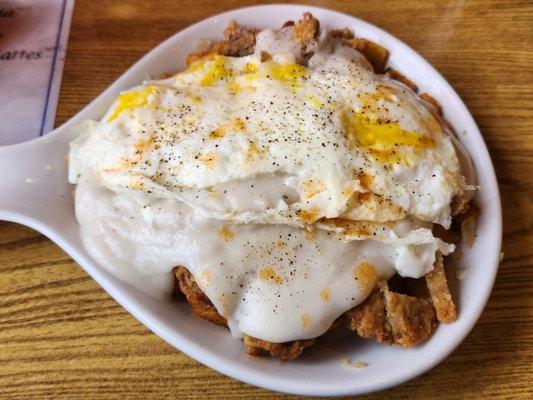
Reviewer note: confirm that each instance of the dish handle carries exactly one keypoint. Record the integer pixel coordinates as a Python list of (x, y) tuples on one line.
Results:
[(33, 181)]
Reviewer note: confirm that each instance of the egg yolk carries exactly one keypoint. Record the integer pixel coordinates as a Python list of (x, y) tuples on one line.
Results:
[(383, 139), (216, 70), (289, 73), (129, 100)]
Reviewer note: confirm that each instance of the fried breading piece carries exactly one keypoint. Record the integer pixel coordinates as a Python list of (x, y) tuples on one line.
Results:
[(411, 319), (440, 293), (393, 318), (385, 316), (376, 55), (287, 24), (397, 76), (369, 319), (447, 235), (343, 33), (200, 303), (240, 41), (203, 307), (283, 351), (306, 29)]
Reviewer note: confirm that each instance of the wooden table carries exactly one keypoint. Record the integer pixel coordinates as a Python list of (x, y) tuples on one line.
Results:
[(62, 336)]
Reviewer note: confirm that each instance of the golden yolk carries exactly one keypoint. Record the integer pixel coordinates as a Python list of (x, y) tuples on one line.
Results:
[(129, 100), (383, 139), (217, 69), (289, 73)]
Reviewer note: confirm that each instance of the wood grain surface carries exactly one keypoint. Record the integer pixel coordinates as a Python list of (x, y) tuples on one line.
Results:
[(63, 337)]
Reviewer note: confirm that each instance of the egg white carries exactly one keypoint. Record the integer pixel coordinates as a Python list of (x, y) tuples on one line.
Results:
[(233, 119)]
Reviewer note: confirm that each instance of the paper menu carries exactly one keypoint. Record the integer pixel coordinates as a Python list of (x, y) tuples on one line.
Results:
[(33, 43)]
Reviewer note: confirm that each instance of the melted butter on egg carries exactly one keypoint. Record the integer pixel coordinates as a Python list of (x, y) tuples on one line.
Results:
[(365, 179), (250, 68), (280, 244), (310, 233)]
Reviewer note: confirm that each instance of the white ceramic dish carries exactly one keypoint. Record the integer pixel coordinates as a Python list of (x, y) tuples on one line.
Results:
[(34, 191)]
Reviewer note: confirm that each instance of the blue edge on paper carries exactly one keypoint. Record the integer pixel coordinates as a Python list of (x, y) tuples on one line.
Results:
[(52, 71)]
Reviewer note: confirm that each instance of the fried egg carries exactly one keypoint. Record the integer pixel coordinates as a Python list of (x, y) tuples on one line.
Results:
[(286, 190)]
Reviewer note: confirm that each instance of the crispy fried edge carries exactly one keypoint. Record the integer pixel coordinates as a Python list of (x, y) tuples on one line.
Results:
[(306, 29), (200, 303), (432, 101), (283, 351), (440, 294), (376, 55), (398, 76)]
